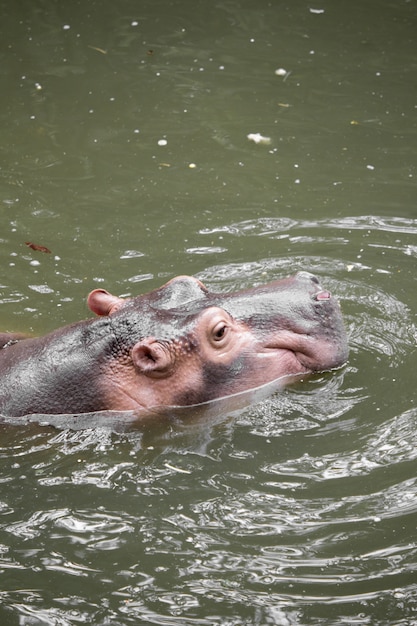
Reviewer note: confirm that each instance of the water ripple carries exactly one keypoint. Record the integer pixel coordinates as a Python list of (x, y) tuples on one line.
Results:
[(300, 509)]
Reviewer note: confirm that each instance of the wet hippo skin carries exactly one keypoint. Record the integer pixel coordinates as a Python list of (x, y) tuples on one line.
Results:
[(177, 345)]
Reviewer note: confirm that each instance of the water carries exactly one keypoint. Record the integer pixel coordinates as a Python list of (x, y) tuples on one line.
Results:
[(300, 509)]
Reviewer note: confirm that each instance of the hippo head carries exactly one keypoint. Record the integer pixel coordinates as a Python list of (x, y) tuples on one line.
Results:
[(183, 345)]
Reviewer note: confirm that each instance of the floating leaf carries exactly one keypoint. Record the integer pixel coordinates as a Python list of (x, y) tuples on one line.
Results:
[(35, 246)]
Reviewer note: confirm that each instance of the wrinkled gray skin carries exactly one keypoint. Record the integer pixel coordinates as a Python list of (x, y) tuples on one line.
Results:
[(177, 345)]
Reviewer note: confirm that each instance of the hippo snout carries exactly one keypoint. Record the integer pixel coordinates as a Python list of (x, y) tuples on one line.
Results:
[(311, 281)]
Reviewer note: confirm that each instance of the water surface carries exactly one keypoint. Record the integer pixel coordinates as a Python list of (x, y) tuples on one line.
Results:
[(124, 150)]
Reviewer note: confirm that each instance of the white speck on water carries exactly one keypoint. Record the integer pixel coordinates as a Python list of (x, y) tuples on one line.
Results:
[(162, 142), (282, 72), (370, 167), (66, 27), (258, 138), (316, 11)]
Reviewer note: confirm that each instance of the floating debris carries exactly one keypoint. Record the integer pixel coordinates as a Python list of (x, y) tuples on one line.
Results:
[(282, 72), (34, 246), (98, 49), (258, 138)]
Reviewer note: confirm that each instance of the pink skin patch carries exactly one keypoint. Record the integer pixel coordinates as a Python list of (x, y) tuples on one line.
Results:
[(323, 295)]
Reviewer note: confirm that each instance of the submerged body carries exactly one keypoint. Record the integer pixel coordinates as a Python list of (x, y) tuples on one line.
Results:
[(177, 345)]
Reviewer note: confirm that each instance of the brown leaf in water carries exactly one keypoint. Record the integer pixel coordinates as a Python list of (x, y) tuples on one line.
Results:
[(34, 246)]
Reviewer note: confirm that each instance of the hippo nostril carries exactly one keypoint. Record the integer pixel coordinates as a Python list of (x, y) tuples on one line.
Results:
[(322, 295)]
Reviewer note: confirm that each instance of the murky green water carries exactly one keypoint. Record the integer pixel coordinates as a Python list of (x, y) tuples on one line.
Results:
[(124, 150)]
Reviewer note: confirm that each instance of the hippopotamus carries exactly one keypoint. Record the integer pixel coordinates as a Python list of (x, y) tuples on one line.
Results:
[(177, 345)]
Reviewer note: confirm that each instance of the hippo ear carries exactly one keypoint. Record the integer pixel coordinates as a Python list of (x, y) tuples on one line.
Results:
[(151, 358), (101, 302)]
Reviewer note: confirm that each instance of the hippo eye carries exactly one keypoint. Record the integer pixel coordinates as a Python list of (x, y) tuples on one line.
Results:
[(219, 331)]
